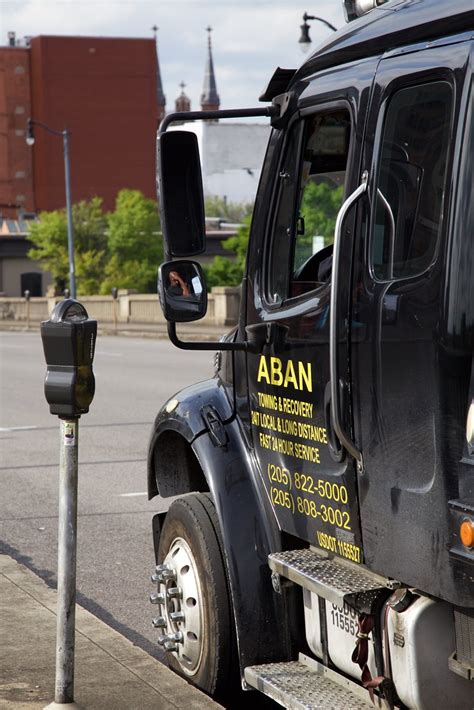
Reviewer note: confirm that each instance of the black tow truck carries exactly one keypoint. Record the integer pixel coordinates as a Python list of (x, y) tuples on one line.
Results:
[(321, 547)]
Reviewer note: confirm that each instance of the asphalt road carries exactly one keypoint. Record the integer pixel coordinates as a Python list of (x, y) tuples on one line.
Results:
[(134, 377)]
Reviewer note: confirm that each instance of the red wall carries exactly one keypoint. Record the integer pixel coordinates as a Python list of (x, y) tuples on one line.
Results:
[(104, 92), (16, 181)]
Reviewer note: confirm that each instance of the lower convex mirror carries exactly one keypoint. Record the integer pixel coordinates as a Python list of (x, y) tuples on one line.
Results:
[(182, 291)]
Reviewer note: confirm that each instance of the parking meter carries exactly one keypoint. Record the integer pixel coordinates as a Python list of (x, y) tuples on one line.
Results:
[(68, 342)]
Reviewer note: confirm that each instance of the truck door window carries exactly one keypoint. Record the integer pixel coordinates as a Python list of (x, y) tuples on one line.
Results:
[(411, 180), (310, 195)]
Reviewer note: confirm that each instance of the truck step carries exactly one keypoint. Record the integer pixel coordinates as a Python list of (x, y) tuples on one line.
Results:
[(333, 579), (307, 685)]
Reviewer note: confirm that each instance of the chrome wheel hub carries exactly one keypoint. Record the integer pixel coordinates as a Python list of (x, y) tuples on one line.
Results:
[(179, 598)]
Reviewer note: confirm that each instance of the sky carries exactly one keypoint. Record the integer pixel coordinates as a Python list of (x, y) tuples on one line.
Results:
[(250, 38)]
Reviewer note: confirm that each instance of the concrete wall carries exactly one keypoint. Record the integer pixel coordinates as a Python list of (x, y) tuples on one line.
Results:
[(223, 308), (11, 269)]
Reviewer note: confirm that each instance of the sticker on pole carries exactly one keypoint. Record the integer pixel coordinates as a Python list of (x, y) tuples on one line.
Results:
[(69, 432)]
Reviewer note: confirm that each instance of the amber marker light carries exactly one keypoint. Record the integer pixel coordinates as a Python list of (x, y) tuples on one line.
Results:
[(466, 532)]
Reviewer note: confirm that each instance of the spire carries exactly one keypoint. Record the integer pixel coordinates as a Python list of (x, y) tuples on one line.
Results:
[(209, 98), (160, 97), (182, 103)]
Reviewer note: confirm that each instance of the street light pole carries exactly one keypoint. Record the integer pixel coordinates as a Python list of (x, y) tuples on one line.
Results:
[(70, 229), (30, 139)]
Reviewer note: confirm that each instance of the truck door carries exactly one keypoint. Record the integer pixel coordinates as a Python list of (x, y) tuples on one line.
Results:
[(398, 361), (315, 162)]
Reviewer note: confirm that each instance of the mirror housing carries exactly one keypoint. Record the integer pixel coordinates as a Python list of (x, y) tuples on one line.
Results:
[(180, 194), (182, 291)]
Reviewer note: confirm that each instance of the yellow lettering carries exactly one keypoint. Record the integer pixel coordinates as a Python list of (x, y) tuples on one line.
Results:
[(306, 375), (275, 369), (290, 376), (281, 374), (263, 370)]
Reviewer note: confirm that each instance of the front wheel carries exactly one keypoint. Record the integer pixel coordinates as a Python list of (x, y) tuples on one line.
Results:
[(196, 621)]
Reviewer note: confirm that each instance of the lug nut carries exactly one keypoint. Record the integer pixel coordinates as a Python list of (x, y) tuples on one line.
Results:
[(170, 646), (161, 640), (174, 592), (177, 616), (159, 622), (160, 598), (167, 574), (175, 638), (157, 598), (161, 568)]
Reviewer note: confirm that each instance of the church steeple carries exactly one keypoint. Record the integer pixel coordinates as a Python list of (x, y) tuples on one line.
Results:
[(209, 98), (182, 103), (160, 97)]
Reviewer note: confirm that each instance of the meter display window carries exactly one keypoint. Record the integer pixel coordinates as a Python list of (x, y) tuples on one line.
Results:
[(411, 181), (311, 189)]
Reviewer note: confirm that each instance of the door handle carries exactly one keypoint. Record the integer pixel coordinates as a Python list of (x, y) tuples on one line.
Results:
[(336, 417)]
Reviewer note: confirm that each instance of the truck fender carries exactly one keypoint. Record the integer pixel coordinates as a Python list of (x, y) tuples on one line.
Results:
[(171, 469), (184, 457)]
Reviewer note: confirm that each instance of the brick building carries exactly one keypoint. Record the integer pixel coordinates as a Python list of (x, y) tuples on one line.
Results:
[(104, 91)]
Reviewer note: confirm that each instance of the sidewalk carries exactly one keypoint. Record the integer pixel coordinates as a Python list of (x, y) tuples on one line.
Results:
[(110, 671), (186, 331)]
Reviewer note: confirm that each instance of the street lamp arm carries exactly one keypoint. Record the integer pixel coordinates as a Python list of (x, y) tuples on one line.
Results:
[(32, 122), (307, 17)]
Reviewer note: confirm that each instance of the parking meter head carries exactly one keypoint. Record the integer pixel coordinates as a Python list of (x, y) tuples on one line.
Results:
[(69, 342)]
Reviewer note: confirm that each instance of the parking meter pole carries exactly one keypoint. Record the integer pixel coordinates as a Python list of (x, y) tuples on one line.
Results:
[(69, 344), (67, 547)]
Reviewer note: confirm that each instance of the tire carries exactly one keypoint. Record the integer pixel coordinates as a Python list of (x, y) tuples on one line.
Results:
[(191, 546)]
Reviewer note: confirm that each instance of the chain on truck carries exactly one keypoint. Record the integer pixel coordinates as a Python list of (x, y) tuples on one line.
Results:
[(321, 545)]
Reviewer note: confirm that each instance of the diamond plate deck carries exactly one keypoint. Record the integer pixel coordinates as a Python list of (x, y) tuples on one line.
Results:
[(297, 686), (332, 579)]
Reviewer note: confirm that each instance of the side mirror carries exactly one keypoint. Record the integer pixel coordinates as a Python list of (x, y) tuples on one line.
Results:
[(182, 291), (180, 193)]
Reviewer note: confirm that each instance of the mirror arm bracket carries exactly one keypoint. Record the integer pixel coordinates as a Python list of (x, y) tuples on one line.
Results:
[(245, 345), (268, 111)]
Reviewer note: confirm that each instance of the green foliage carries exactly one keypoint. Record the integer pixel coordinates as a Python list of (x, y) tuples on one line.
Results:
[(121, 249), (50, 247), (135, 248), (226, 272), (229, 211), (319, 207)]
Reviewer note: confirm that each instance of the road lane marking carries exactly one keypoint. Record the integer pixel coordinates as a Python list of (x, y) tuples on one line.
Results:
[(132, 495), (16, 428)]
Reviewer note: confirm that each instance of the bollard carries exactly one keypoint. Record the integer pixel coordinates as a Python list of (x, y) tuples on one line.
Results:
[(27, 296), (68, 342), (114, 297)]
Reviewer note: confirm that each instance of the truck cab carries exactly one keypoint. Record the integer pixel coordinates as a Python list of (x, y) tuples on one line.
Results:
[(321, 549)]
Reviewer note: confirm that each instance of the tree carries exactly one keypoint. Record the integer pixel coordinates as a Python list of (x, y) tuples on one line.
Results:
[(224, 271), (229, 211), (135, 247), (50, 245), (121, 249), (319, 207)]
